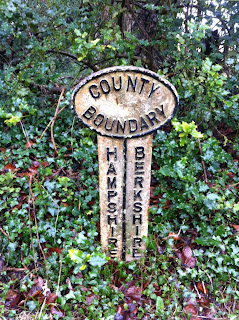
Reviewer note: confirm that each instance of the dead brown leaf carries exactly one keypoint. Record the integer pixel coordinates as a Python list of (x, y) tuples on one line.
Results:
[(89, 299), (51, 298), (204, 302), (202, 288), (29, 144), (134, 292), (12, 298), (58, 312), (10, 166), (191, 309), (187, 257), (235, 226), (45, 164), (173, 235)]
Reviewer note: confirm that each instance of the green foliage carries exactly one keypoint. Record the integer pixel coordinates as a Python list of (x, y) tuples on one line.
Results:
[(49, 210)]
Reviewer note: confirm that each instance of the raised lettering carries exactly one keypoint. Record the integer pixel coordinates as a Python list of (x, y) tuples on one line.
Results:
[(120, 86), (89, 113), (130, 82), (113, 252), (139, 153), (153, 90), (161, 112), (112, 124), (111, 169), (152, 117), (111, 207), (143, 83), (137, 207), (139, 166), (137, 230), (139, 181), (113, 241), (111, 184), (133, 126), (119, 126), (136, 253), (137, 218), (105, 87), (99, 119), (97, 95), (111, 194), (137, 241), (137, 195), (110, 219), (143, 124), (109, 153)]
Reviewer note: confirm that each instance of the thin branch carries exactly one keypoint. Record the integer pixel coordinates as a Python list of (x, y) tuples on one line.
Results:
[(203, 163), (141, 27), (89, 63), (50, 123), (59, 276), (29, 217), (5, 234), (65, 53), (31, 200), (54, 119)]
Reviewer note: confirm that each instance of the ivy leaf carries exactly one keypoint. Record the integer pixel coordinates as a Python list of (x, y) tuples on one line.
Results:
[(236, 207), (98, 260), (76, 255), (81, 239), (207, 241), (159, 304)]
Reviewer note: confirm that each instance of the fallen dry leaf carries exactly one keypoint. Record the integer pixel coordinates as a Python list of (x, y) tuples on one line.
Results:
[(24, 174), (56, 311), (12, 298), (45, 164), (55, 249), (89, 299), (187, 257), (204, 302), (202, 288), (134, 292), (10, 166), (173, 235), (35, 164), (51, 298), (191, 309), (29, 144), (235, 226)]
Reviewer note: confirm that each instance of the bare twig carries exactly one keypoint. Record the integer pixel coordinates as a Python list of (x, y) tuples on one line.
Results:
[(59, 277), (29, 217), (65, 53), (50, 123), (142, 28), (203, 163), (31, 200), (25, 133), (54, 119), (72, 127), (5, 234), (195, 287), (16, 269)]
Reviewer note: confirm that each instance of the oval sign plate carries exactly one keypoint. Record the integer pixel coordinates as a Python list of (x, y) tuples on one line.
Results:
[(124, 102)]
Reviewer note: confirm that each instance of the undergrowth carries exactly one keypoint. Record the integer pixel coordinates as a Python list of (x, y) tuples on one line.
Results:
[(49, 207)]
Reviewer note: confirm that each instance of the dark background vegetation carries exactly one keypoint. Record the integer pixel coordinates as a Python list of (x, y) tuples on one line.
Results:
[(49, 170)]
